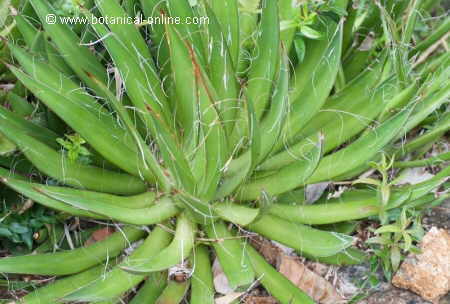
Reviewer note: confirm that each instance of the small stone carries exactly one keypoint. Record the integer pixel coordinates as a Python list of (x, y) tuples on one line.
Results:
[(428, 273)]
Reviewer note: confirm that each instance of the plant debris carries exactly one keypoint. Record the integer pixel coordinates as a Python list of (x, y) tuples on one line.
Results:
[(260, 300), (307, 279), (99, 235), (310, 282), (228, 298), (220, 280)]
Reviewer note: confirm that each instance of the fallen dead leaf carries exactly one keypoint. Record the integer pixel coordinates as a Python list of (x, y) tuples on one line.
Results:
[(319, 268), (414, 176), (367, 43), (260, 300), (27, 205), (220, 280), (99, 235), (271, 252), (315, 191), (318, 288), (284, 249), (133, 246), (229, 298)]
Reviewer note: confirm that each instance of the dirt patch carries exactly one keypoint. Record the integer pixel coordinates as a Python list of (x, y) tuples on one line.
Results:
[(392, 295), (438, 216)]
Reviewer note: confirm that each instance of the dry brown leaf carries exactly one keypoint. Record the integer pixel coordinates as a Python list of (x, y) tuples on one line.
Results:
[(307, 280), (319, 268), (413, 176), (220, 280), (284, 249), (229, 298), (315, 191), (260, 300), (367, 43), (268, 250), (99, 235), (27, 205), (319, 289)]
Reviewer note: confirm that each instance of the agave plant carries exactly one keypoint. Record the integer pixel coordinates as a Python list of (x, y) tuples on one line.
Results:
[(199, 136)]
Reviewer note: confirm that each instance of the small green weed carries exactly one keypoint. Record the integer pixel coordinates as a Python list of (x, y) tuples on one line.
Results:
[(74, 148), (395, 240), (19, 221), (400, 227)]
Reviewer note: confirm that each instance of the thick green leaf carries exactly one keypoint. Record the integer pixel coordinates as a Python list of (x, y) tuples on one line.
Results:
[(301, 238), (77, 56), (161, 210), (174, 292), (361, 150), (265, 58), (118, 281), (209, 151), (277, 284), (271, 125), (202, 286), (188, 30), (288, 177), (227, 14), (178, 250), (235, 179), (56, 165), (314, 78), (232, 255), (72, 261), (51, 293), (221, 68)]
